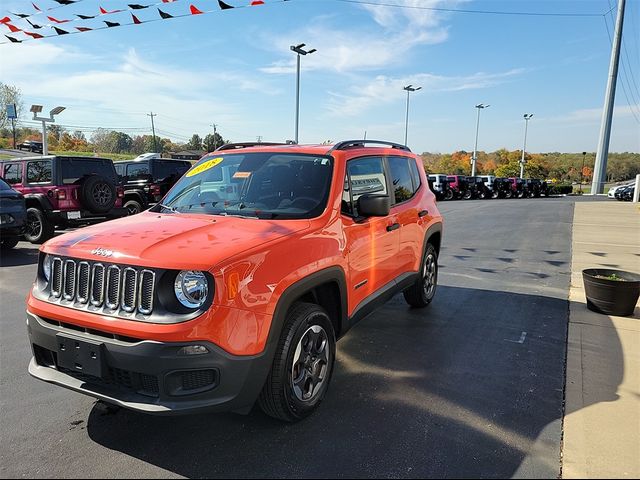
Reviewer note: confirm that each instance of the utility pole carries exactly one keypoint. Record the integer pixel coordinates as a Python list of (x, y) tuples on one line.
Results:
[(299, 51), (259, 138), (215, 138), (600, 167), (527, 117), (153, 129), (474, 158), (409, 89)]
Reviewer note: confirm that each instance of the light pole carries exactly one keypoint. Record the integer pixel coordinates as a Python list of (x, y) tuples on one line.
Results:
[(409, 89), (299, 51), (527, 117), (584, 155), (36, 109), (474, 158)]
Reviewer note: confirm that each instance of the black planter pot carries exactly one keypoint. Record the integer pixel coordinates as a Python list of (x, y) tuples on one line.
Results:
[(611, 297)]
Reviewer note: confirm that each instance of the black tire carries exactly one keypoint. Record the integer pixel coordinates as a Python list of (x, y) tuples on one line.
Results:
[(38, 228), (495, 194), (420, 294), (133, 207), (467, 195), (9, 243), (281, 397), (508, 194), (448, 195), (98, 194)]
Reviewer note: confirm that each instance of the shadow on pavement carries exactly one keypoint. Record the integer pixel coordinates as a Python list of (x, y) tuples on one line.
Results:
[(18, 256), (461, 389)]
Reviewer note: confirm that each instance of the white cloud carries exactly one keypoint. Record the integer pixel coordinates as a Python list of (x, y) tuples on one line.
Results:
[(587, 116), (384, 90)]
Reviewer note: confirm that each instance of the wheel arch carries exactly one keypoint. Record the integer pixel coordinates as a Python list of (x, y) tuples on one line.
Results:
[(38, 200)]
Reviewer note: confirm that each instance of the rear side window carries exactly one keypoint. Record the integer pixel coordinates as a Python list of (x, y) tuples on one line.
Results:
[(401, 178), (39, 172), (415, 175), (162, 170), (12, 173), (364, 175), (119, 170), (138, 171), (75, 169)]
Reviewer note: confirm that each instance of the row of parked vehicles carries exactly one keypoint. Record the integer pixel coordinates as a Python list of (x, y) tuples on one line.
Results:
[(454, 187), (57, 192), (622, 192)]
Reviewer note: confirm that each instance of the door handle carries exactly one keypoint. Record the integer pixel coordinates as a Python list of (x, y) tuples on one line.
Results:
[(391, 228), (423, 213)]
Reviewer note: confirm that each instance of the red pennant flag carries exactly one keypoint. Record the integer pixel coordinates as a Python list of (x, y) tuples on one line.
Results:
[(257, 2), (168, 1), (136, 21), (84, 29), (36, 7), (194, 10), (5, 20), (105, 12), (13, 28), (34, 35), (55, 20)]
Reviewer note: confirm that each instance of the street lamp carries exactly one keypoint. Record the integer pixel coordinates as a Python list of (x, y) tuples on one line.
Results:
[(409, 89), (584, 155), (474, 158), (36, 109), (527, 117), (299, 51)]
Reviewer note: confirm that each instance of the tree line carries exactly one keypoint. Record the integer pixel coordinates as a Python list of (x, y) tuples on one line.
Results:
[(561, 167)]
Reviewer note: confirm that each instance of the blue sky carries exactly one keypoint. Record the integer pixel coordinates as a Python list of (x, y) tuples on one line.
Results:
[(234, 68)]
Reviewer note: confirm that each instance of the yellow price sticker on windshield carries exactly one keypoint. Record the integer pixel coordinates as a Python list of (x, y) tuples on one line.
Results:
[(203, 167)]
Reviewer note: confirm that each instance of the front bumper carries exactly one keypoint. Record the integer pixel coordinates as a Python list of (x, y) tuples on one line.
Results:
[(150, 376)]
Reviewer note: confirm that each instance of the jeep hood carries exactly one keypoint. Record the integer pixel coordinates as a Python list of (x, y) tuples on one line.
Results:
[(172, 241)]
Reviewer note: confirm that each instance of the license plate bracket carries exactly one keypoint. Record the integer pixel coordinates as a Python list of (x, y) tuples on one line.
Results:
[(74, 215), (80, 355)]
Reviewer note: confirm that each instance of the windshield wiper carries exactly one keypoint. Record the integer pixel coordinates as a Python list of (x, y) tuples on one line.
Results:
[(171, 209)]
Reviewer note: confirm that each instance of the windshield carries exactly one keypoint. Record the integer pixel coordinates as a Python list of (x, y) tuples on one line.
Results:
[(262, 185)]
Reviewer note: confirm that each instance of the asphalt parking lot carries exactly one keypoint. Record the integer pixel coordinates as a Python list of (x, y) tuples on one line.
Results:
[(470, 387)]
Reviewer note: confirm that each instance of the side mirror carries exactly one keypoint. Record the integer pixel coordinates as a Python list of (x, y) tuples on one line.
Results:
[(374, 205)]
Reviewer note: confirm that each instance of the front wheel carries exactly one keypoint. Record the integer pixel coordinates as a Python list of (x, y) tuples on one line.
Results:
[(133, 207), (38, 228), (424, 289), (467, 195), (448, 195), (302, 365)]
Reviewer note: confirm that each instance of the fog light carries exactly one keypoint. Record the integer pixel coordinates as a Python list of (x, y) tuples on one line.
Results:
[(193, 350)]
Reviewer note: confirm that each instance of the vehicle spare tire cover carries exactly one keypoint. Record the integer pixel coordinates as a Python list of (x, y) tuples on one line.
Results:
[(98, 194)]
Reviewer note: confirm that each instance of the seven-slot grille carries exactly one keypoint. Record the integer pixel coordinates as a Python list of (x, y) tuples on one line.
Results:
[(113, 287)]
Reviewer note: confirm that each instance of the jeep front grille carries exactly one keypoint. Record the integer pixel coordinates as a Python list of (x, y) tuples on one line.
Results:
[(96, 285)]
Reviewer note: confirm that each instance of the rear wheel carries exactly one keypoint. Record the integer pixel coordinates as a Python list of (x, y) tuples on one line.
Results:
[(302, 366), (133, 207), (424, 289), (467, 195), (38, 228), (448, 195), (508, 194)]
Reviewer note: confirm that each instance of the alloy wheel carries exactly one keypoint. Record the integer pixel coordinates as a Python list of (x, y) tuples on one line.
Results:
[(429, 271), (310, 363)]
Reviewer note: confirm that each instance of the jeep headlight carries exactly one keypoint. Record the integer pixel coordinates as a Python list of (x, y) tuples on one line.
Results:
[(191, 288), (46, 267)]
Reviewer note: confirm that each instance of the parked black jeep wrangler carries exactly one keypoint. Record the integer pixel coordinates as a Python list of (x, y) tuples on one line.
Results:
[(145, 182), (478, 188)]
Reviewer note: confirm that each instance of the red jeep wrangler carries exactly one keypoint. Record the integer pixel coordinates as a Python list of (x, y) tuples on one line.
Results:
[(236, 286), (64, 191)]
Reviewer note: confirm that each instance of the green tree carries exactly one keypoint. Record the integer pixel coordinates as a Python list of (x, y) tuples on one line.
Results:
[(9, 95), (195, 143), (210, 143)]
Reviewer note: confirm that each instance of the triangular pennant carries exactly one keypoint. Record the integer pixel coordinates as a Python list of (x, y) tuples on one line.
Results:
[(65, 2), (36, 7), (5, 20), (136, 21), (111, 24), (84, 29), (60, 31), (55, 20), (224, 6), (168, 1), (195, 10), (106, 12), (85, 17), (257, 2), (13, 28), (14, 40), (34, 35), (135, 6), (34, 25), (21, 15), (164, 15)]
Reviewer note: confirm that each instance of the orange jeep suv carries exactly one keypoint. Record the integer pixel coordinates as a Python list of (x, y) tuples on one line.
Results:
[(234, 288)]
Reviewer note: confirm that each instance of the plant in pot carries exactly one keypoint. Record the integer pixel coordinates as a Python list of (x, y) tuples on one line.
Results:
[(612, 292)]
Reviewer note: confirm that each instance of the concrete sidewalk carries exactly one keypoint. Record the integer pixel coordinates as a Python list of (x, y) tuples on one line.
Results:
[(602, 410)]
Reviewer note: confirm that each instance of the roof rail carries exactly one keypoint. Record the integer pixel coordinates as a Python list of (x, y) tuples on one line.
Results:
[(235, 146), (361, 143)]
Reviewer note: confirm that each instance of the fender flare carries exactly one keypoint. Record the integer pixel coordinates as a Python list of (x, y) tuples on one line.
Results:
[(139, 197), (40, 199), (433, 229)]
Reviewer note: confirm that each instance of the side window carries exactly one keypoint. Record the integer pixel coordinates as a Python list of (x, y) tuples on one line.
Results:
[(119, 170), (138, 171), (13, 173), (401, 178), (39, 172), (415, 175), (364, 175)]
